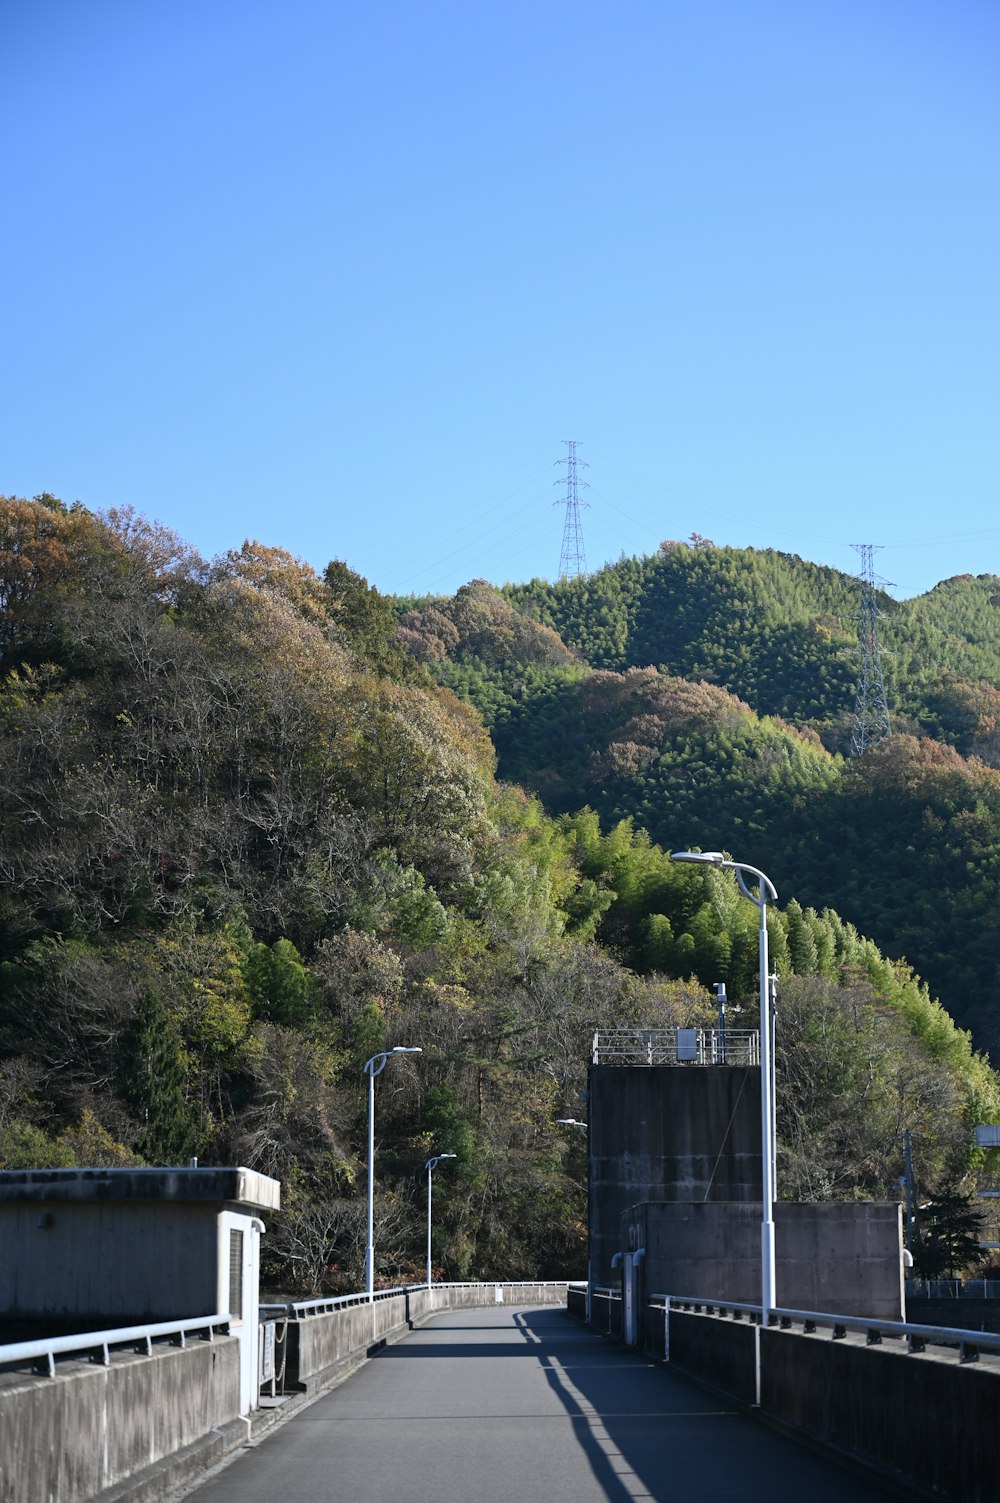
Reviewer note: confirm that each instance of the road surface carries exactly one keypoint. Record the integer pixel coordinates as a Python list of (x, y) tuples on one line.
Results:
[(517, 1404)]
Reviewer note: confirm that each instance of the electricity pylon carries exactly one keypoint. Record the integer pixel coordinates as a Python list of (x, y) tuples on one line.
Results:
[(572, 560), (871, 707)]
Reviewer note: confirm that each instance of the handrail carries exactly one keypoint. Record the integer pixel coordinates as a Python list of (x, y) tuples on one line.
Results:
[(298, 1308), (917, 1337), (100, 1341)]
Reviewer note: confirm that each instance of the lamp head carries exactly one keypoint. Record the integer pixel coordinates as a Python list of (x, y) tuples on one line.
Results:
[(405, 1049), (702, 858)]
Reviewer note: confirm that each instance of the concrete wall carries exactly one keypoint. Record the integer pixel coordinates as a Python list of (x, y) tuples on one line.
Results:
[(157, 1422), (926, 1421), (86, 1249), (70, 1437), (320, 1344), (668, 1133), (846, 1258), (108, 1264), (970, 1314)]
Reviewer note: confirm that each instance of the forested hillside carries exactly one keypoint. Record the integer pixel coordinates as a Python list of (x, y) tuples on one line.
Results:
[(709, 698), (248, 839)]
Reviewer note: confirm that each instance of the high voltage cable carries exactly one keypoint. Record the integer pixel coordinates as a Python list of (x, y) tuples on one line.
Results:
[(481, 537), (503, 503)]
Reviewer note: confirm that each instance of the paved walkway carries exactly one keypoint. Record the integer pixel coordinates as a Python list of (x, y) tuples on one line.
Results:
[(518, 1405)]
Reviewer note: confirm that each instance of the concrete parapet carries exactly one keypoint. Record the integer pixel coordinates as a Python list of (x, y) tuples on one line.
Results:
[(140, 1428), (92, 1428), (720, 1352), (321, 1347), (926, 1421)]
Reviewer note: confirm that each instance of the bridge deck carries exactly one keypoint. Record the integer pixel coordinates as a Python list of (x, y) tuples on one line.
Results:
[(523, 1404)]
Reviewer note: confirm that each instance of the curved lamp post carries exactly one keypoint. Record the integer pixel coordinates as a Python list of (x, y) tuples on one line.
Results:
[(430, 1166), (374, 1067), (765, 892)]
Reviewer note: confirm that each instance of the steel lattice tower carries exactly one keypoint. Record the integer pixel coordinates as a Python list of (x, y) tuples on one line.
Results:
[(871, 707), (572, 559)]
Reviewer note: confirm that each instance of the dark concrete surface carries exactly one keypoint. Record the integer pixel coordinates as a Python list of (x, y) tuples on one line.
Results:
[(522, 1404)]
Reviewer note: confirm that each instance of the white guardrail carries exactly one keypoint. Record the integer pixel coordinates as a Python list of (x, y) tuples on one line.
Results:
[(969, 1344), (99, 1344), (40, 1354), (298, 1308)]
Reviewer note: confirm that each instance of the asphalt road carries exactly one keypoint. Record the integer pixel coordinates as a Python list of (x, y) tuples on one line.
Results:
[(518, 1404)]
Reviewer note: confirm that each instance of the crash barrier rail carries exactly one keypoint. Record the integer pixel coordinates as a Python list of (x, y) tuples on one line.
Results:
[(298, 1309), (854, 1384), (98, 1345), (967, 1344), (329, 1335), (676, 1046)]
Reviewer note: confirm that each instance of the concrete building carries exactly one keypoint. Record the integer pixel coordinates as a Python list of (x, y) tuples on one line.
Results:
[(90, 1249), (674, 1137)]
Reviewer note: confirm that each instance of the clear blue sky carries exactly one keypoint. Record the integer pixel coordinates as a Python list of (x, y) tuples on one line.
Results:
[(343, 276)]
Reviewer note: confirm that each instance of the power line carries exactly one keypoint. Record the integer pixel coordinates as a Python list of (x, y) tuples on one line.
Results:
[(572, 560)]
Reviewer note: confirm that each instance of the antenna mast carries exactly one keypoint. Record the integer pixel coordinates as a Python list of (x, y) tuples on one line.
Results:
[(572, 560), (871, 707)]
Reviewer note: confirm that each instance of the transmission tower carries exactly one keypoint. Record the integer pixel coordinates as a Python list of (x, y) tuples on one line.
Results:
[(871, 708), (572, 560)]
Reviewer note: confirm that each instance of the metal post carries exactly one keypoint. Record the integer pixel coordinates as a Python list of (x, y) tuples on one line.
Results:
[(767, 1159), (430, 1166), (370, 1243), (720, 993), (912, 1210), (430, 1178), (374, 1067), (774, 1084), (765, 889)]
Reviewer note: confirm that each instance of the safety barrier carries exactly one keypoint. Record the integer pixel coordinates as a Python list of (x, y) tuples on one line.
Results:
[(148, 1408), (860, 1387), (328, 1337), (98, 1345)]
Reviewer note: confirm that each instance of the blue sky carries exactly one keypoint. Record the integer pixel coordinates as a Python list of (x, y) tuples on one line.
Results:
[(343, 277)]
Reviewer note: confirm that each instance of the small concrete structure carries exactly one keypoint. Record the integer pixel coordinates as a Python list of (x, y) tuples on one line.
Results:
[(90, 1249), (675, 1201), (667, 1133), (841, 1257)]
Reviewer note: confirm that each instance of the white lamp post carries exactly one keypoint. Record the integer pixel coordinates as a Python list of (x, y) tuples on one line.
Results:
[(430, 1166), (582, 1127), (765, 891), (374, 1067)]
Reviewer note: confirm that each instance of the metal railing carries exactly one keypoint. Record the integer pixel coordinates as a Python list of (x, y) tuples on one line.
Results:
[(98, 1345), (953, 1288), (969, 1344), (296, 1309), (676, 1046)]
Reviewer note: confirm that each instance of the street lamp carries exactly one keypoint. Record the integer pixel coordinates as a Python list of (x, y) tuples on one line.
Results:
[(765, 890), (374, 1067), (582, 1127), (430, 1167)]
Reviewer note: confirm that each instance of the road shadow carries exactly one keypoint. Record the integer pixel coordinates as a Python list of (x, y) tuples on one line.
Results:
[(648, 1433)]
